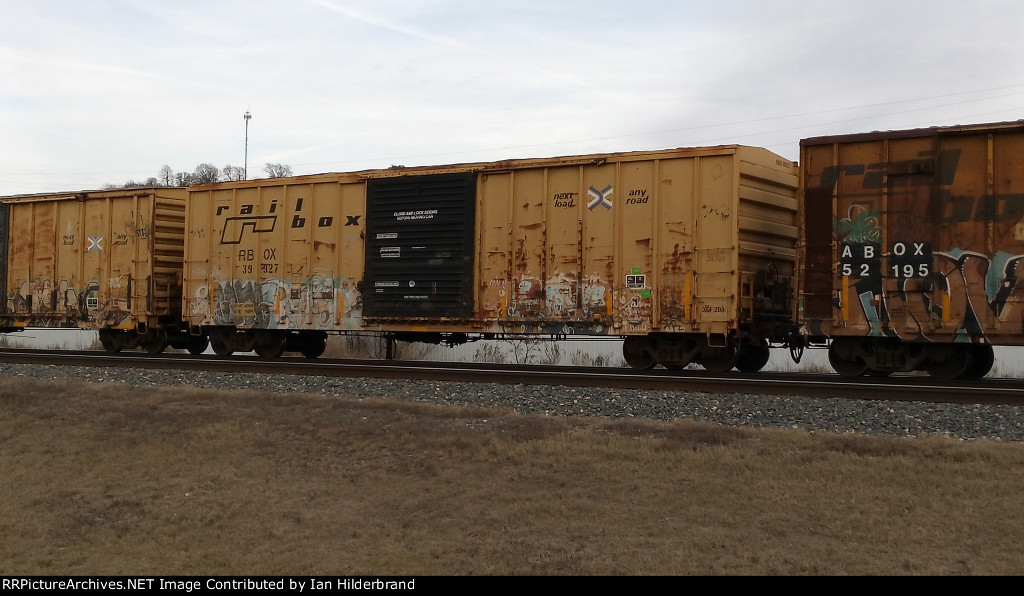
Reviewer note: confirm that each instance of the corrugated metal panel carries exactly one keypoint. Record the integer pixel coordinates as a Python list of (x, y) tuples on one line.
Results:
[(284, 253), (611, 244), (87, 259), (716, 249), (420, 246), (923, 231), (638, 243), (767, 236), (168, 255)]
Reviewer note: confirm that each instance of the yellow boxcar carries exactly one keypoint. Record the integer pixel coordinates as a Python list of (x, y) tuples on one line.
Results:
[(279, 259), (688, 253), (913, 245), (106, 260)]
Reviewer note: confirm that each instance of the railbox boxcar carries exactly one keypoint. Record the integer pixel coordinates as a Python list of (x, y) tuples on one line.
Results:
[(105, 260), (913, 244), (687, 253)]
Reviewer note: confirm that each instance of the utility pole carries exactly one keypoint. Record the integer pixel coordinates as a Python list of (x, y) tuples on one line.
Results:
[(245, 167)]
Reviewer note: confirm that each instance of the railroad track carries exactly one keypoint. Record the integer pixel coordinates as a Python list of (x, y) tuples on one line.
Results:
[(898, 388)]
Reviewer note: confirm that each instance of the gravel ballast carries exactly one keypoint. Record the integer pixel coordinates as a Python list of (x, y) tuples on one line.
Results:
[(895, 418)]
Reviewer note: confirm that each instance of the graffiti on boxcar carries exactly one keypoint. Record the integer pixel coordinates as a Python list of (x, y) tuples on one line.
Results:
[(915, 292), (898, 174), (111, 312), (132, 231), (595, 296), (563, 304), (317, 302), (560, 296), (635, 304), (861, 225), (43, 303), (527, 299)]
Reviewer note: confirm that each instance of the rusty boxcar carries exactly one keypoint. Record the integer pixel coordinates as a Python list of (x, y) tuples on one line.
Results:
[(687, 253), (105, 260), (913, 244)]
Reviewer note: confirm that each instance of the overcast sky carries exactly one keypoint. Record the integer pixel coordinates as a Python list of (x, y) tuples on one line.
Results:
[(96, 92)]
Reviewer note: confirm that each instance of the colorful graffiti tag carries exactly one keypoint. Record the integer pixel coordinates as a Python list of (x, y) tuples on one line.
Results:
[(319, 302), (913, 291), (45, 303)]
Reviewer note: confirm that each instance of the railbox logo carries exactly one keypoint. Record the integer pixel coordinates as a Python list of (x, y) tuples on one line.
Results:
[(235, 226)]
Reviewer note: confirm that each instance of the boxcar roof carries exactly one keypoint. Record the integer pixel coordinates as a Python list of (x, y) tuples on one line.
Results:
[(915, 132)]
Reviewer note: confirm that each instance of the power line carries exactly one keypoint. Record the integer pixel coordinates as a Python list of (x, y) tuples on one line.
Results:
[(726, 124)]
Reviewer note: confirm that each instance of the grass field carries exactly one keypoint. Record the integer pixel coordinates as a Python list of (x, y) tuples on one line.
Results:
[(172, 481)]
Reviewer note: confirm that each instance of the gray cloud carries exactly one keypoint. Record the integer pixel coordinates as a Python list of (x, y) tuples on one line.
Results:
[(104, 91)]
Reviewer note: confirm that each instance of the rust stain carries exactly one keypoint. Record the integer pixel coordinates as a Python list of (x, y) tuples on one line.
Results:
[(520, 257), (678, 261)]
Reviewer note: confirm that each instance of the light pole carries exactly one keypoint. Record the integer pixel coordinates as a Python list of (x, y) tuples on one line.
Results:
[(245, 167)]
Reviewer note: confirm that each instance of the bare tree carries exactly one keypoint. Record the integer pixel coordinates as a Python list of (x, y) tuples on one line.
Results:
[(148, 183), (183, 178), (277, 170), (232, 173), (525, 350), (167, 175), (205, 173), (490, 352), (552, 353)]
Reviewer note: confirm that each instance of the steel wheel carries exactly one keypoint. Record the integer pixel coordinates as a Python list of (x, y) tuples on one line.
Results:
[(220, 348), (955, 366), (272, 347), (982, 359), (752, 358), (634, 352), (154, 342), (198, 345), (719, 360), (843, 361), (107, 341), (313, 345)]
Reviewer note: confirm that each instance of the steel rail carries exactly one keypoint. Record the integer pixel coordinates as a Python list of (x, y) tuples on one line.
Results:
[(818, 385)]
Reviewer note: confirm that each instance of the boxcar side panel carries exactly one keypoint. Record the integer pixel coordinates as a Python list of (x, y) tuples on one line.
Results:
[(529, 251), (675, 194), (926, 236), (28, 286), (715, 265), (634, 243), (493, 268), (635, 209), (601, 277), (276, 254), (95, 259), (562, 235)]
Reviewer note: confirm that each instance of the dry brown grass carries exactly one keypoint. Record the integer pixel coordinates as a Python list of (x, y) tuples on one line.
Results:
[(99, 479)]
